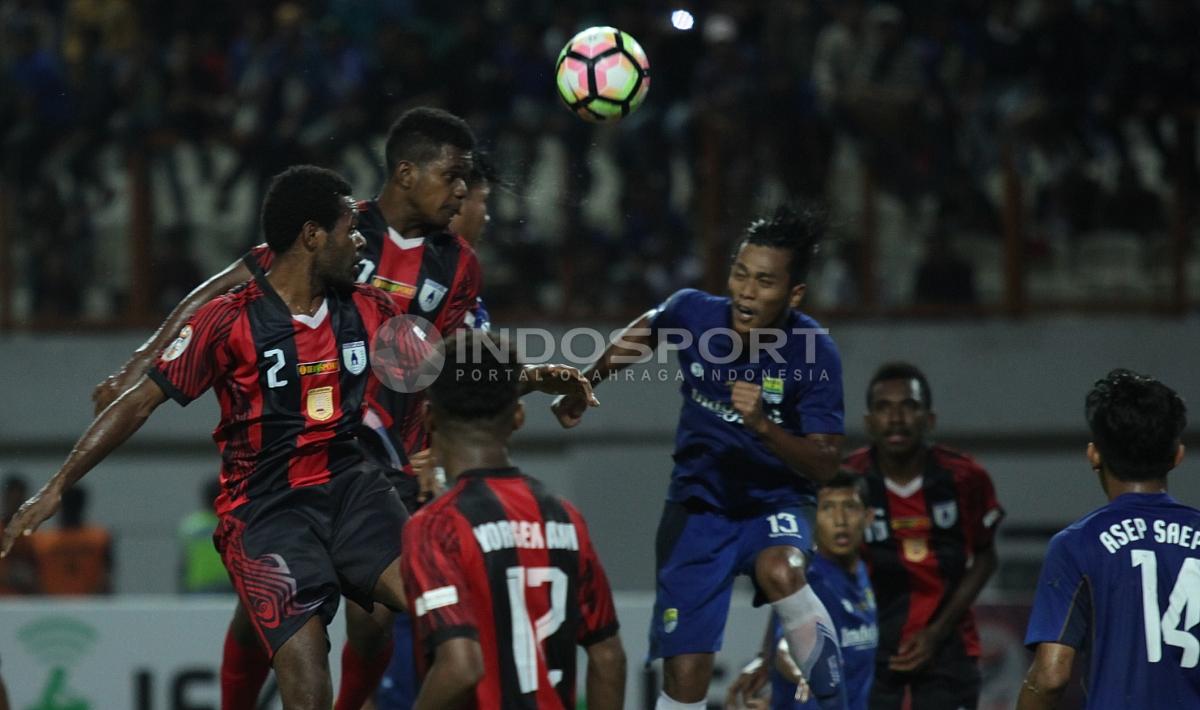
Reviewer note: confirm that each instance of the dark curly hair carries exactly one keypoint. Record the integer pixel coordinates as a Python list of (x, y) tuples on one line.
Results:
[(420, 133), (797, 229), (901, 371), (300, 194), (480, 380), (483, 170), (1136, 422)]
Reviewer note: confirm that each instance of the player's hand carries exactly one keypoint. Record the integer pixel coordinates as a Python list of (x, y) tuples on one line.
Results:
[(745, 688), (747, 401), (426, 470), (561, 380), (915, 652), (29, 516)]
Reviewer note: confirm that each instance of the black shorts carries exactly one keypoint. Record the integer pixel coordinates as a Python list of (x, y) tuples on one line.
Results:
[(950, 681), (292, 554)]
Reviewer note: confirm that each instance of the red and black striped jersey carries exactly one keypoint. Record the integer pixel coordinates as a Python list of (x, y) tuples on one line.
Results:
[(499, 559), (922, 539), (435, 277), (291, 388)]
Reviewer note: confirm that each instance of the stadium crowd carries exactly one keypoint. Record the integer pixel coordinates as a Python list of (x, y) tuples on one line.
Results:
[(758, 101)]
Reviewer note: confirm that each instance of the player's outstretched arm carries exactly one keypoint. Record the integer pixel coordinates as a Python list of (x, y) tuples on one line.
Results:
[(140, 361), (921, 647), (109, 430), (633, 344), (457, 668), (606, 674), (1047, 677)]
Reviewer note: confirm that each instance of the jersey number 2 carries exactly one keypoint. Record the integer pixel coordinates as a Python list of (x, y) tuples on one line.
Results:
[(1183, 605), (527, 633), (273, 373)]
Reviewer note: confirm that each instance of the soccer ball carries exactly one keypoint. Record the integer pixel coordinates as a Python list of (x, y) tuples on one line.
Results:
[(602, 74)]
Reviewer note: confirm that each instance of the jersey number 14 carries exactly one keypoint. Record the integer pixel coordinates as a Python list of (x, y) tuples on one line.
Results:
[(1183, 605)]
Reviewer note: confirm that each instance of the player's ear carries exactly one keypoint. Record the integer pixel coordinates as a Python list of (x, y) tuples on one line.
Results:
[(796, 295), (932, 419), (519, 416), (1178, 455), (310, 235), (405, 174), (1093, 457)]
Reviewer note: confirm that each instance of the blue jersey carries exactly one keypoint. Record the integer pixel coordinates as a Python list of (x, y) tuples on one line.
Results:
[(851, 605), (1123, 586), (717, 460)]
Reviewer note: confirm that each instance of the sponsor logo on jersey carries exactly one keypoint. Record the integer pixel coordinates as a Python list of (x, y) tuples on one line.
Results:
[(319, 403), (177, 346), (919, 522), (399, 287), (317, 368), (670, 620), (945, 515), (916, 549), (355, 356), (772, 389)]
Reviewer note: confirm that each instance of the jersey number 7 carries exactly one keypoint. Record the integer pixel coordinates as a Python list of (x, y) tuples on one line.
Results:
[(1183, 604), (527, 634)]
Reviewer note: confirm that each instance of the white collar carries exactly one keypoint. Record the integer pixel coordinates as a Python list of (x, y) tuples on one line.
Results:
[(404, 242), (315, 320), (907, 489)]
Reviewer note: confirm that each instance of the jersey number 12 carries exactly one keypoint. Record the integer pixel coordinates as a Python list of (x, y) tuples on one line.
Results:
[(1183, 605), (527, 633)]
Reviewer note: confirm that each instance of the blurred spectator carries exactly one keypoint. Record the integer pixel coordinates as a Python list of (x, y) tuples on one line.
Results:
[(75, 558), (200, 568), (944, 278), (18, 574)]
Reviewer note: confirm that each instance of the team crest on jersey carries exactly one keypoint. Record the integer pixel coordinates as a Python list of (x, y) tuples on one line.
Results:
[(697, 370), (916, 549), (355, 356), (431, 295), (177, 346), (945, 515), (670, 620), (772, 389), (319, 404)]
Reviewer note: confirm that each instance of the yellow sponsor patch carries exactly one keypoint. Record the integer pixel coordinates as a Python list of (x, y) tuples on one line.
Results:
[(915, 549), (317, 368), (670, 620), (917, 523), (406, 290), (319, 403)]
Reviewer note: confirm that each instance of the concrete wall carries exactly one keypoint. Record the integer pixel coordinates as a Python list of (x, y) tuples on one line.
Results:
[(1009, 392)]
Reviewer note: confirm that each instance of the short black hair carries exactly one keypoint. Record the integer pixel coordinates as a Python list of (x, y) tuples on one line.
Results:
[(483, 171), (846, 480), (420, 133), (1136, 422), (480, 379), (901, 371), (300, 194), (797, 229)]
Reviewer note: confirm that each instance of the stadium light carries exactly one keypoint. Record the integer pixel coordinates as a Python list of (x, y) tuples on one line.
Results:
[(682, 20)]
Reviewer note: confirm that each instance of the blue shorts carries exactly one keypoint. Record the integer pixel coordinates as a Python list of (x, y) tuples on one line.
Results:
[(700, 551)]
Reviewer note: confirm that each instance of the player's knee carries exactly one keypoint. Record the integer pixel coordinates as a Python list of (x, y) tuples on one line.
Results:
[(779, 572), (686, 677)]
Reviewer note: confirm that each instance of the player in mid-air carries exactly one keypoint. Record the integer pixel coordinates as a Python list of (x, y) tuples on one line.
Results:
[(305, 516), (839, 577), (761, 422), (429, 271), (1121, 586), (503, 580)]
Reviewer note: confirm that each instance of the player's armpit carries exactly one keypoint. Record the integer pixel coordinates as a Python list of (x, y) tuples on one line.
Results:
[(1047, 677), (142, 358), (457, 668)]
